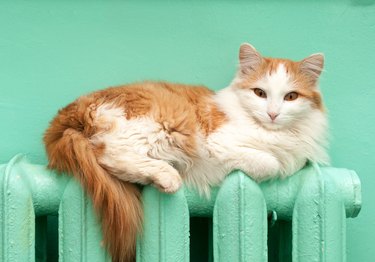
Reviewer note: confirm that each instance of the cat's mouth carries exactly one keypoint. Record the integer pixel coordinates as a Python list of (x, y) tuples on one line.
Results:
[(271, 125)]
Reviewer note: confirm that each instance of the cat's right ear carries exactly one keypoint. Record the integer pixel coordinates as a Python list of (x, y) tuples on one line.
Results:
[(249, 58), (313, 65)]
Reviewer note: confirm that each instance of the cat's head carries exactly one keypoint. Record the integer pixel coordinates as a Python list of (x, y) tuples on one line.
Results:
[(278, 92)]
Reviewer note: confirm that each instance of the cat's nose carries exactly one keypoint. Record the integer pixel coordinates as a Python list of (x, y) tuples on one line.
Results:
[(272, 115)]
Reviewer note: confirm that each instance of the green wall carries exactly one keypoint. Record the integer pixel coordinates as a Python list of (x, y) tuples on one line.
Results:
[(50, 53)]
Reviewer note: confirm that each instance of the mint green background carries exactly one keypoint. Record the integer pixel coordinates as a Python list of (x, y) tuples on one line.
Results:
[(52, 52)]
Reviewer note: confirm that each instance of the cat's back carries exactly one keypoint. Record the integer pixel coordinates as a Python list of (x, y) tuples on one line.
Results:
[(138, 100), (149, 98)]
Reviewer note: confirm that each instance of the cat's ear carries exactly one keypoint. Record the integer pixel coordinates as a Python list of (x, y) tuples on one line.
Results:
[(249, 58), (313, 65)]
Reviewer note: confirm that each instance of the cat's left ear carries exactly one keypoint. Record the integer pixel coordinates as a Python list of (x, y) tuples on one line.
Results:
[(249, 57), (313, 65)]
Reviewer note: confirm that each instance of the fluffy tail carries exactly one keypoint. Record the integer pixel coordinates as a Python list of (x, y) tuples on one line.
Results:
[(115, 201)]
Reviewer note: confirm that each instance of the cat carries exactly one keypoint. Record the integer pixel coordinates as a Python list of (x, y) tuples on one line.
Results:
[(268, 123)]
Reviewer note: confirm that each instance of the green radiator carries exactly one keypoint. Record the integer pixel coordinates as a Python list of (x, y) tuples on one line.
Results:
[(308, 210)]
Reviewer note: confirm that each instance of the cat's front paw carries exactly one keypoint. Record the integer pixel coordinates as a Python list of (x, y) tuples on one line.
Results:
[(168, 182), (263, 167)]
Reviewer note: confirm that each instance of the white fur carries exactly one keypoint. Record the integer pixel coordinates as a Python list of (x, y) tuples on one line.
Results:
[(139, 150)]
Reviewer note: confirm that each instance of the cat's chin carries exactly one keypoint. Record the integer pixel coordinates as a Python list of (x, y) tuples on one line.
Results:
[(272, 126)]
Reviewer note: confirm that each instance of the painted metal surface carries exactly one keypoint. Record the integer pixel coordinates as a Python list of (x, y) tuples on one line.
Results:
[(166, 229), (317, 201), (27, 191), (80, 237), (240, 221)]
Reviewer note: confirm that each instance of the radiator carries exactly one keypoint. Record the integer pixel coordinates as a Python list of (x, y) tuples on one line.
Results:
[(315, 201)]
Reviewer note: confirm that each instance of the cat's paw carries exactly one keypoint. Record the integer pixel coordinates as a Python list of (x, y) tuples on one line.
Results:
[(168, 182), (263, 167)]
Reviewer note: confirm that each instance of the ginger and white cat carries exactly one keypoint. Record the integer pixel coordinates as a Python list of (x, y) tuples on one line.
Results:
[(268, 122)]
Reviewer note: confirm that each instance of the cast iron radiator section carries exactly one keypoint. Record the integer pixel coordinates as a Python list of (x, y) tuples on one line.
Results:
[(317, 200)]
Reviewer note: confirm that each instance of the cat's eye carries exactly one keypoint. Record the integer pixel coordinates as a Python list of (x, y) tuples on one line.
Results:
[(291, 96), (259, 92)]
